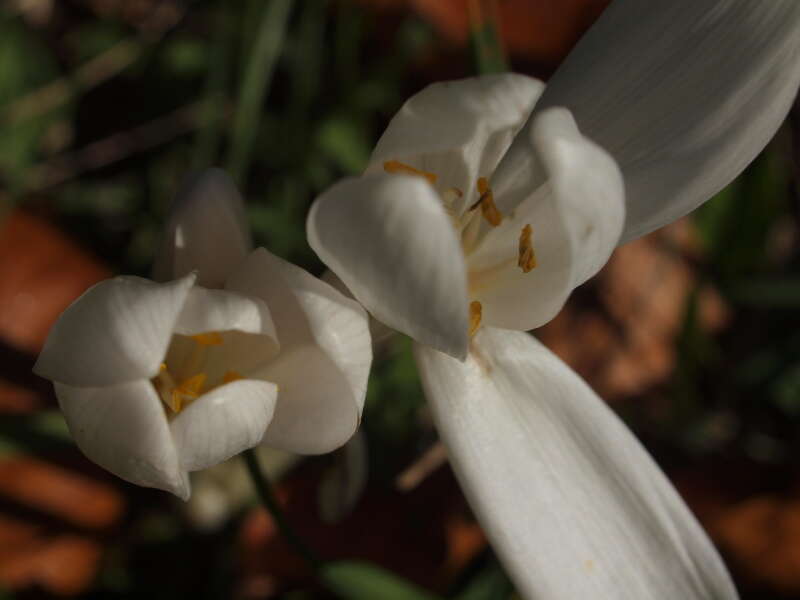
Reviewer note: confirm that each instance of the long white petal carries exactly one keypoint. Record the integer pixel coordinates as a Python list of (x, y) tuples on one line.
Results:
[(573, 504), (123, 428), (223, 422), (206, 231), (458, 130), (576, 216), (117, 331), (391, 242), (325, 356), (683, 95)]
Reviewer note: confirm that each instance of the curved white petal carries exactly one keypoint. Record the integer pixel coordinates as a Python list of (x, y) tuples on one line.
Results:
[(223, 422), (206, 231), (576, 216), (316, 411), (123, 428), (682, 94), (117, 331), (391, 242), (222, 310), (458, 130), (573, 504), (325, 357), (246, 336)]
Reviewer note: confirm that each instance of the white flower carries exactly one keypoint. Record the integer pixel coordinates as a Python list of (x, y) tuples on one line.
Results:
[(485, 204), (235, 347)]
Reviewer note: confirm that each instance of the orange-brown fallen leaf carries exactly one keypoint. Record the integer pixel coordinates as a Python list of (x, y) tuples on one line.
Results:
[(762, 536), (59, 492), (41, 540), (65, 565), (542, 32), (42, 272), (628, 345)]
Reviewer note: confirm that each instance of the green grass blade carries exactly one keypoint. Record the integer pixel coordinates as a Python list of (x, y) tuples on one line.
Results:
[(484, 40), (255, 84)]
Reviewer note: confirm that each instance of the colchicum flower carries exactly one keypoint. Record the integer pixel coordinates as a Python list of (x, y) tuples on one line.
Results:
[(232, 348), (485, 204)]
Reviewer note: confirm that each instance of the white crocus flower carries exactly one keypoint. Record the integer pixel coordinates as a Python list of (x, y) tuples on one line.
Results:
[(233, 348), (456, 236)]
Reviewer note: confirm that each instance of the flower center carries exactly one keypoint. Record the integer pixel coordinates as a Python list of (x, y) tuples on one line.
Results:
[(178, 392), (468, 224)]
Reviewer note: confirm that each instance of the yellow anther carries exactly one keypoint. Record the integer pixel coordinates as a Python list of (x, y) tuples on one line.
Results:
[(177, 401), (189, 389), (162, 367), (475, 313), (396, 167), (489, 209), (527, 258), (212, 338), (231, 376)]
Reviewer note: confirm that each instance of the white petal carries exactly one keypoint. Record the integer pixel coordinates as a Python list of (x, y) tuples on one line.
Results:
[(223, 422), (117, 331), (459, 129), (325, 356), (682, 94), (206, 232), (576, 216), (572, 503), (123, 428), (221, 310), (391, 242)]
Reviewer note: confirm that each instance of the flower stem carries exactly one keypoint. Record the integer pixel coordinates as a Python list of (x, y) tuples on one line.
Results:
[(270, 502)]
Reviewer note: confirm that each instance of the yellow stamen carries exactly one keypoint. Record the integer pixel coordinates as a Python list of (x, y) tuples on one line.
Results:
[(231, 376), (475, 313), (396, 167), (189, 389), (212, 338), (176, 401), (489, 209), (162, 367), (527, 258)]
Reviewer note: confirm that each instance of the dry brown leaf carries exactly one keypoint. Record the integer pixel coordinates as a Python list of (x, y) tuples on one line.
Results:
[(59, 492), (627, 346), (762, 536), (65, 565), (542, 32), (42, 273)]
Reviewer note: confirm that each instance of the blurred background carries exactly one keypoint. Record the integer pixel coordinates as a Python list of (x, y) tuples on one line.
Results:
[(105, 105)]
